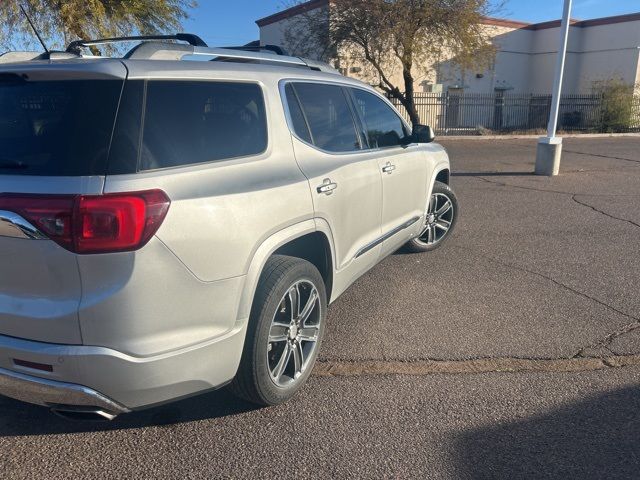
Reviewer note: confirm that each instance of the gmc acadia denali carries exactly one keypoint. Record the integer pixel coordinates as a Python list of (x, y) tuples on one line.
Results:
[(180, 218)]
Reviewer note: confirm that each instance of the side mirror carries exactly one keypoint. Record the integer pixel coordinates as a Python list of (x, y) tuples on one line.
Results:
[(423, 134)]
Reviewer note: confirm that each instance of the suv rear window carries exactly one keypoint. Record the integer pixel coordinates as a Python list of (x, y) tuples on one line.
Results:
[(58, 128), (189, 122)]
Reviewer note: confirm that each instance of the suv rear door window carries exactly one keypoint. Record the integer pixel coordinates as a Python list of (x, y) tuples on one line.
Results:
[(329, 117), (189, 122), (384, 127), (299, 122), (56, 128)]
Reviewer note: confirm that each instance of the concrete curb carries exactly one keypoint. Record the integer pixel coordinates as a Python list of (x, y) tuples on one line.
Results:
[(534, 137)]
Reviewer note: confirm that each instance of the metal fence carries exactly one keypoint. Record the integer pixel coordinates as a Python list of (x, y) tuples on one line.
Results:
[(480, 113)]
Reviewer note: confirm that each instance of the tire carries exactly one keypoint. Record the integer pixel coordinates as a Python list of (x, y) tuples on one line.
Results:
[(434, 234), (257, 379)]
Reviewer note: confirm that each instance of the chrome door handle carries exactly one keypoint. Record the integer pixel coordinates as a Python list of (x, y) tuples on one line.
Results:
[(388, 168), (327, 187)]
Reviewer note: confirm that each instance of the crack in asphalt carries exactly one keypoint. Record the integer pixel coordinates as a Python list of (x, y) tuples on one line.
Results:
[(584, 204), (328, 368), (600, 344), (606, 341), (551, 279), (603, 156), (573, 197), (541, 190)]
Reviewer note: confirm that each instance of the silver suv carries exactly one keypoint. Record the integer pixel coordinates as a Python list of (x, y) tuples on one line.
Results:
[(168, 227)]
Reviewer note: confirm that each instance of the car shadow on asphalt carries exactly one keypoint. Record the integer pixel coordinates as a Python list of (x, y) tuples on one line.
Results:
[(596, 438), (23, 419)]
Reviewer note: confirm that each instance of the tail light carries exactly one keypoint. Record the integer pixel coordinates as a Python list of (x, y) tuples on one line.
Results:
[(119, 222)]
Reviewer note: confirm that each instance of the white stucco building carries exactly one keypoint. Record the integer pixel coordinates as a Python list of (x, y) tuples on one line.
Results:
[(599, 50)]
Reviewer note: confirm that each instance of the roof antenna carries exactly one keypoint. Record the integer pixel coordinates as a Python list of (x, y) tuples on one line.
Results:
[(35, 30)]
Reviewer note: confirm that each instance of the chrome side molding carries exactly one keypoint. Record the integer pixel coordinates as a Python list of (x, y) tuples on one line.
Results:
[(386, 236), (14, 226)]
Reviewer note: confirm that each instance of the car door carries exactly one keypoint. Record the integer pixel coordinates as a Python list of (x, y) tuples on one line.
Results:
[(404, 167), (345, 181)]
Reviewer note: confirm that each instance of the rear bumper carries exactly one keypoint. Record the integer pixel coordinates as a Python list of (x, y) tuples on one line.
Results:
[(86, 376), (51, 393)]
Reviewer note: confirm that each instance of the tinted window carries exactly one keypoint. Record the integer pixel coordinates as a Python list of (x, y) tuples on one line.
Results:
[(300, 127), (329, 117), (123, 156), (59, 128), (383, 125), (195, 122)]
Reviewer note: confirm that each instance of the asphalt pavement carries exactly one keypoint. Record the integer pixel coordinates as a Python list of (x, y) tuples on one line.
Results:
[(540, 270)]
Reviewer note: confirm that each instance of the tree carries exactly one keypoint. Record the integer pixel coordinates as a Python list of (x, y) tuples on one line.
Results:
[(412, 35), (61, 21)]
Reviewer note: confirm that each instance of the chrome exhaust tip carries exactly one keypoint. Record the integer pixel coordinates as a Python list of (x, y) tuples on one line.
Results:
[(83, 414)]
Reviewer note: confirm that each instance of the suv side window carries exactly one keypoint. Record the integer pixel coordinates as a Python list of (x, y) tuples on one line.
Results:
[(298, 120), (384, 127), (191, 122), (329, 117)]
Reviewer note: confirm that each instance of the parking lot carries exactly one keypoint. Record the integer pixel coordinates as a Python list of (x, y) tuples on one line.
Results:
[(512, 352)]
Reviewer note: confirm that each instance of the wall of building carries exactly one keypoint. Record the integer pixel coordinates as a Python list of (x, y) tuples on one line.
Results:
[(509, 72), (276, 33), (527, 58), (610, 51), (598, 50)]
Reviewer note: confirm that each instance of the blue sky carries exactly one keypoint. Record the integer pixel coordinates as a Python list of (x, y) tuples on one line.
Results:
[(226, 22)]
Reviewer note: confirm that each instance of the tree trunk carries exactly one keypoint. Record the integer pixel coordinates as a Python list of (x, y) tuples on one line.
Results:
[(409, 102)]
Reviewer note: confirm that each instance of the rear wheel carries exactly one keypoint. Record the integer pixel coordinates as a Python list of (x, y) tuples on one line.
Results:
[(284, 333), (440, 220)]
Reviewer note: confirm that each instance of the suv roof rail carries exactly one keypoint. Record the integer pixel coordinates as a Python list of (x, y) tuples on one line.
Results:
[(173, 51), (258, 48), (190, 38), (156, 47)]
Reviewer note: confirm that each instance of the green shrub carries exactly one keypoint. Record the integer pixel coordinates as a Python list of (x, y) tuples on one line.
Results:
[(617, 105)]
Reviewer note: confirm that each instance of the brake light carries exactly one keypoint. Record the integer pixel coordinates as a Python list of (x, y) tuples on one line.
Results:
[(119, 222)]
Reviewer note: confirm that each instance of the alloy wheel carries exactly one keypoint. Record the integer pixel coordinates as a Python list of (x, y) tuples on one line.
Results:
[(438, 219), (294, 333)]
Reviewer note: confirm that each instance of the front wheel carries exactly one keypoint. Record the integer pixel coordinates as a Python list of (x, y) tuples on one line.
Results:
[(439, 222), (285, 331)]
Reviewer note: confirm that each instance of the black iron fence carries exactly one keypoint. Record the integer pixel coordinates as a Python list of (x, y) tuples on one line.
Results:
[(498, 113)]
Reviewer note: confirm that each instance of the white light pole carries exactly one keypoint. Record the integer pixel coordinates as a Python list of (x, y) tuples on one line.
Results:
[(550, 147)]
